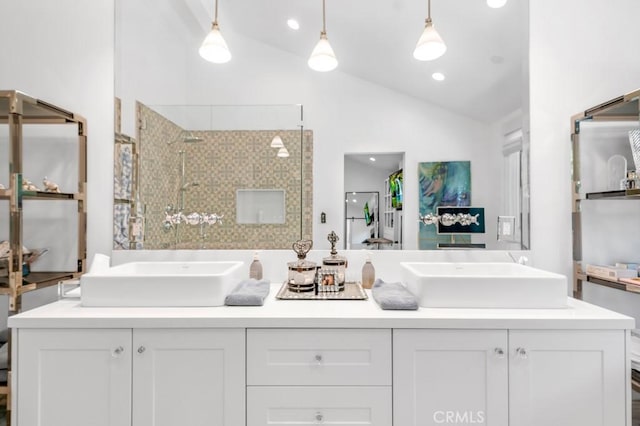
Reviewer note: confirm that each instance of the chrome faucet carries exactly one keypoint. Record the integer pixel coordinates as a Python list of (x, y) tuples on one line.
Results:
[(521, 260)]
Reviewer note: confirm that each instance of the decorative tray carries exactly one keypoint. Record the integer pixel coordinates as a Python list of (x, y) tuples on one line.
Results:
[(352, 291)]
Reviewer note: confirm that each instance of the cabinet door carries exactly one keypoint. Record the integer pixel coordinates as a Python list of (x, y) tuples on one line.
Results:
[(450, 377), (73, 377), (309, 405), (192, 377), (567, 378)]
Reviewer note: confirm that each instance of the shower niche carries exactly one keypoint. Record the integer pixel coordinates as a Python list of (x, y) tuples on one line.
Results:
[(213, 177), (259, 206)]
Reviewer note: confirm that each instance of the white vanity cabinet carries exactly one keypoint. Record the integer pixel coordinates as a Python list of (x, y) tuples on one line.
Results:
[(319, 376), (569, 378), (118, 377), (192, 377), (441, 374), (320, 362), (515, 377), (73, 377)]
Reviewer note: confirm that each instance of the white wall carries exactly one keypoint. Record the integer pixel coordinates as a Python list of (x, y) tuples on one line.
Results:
[(157, 54)]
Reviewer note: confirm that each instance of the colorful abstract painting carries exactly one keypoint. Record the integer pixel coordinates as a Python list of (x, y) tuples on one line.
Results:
[(442, 183)]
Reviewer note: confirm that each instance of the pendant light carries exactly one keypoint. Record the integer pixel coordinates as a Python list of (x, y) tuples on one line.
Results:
[(430, 45), (283, 152), (214, 48), (322, 58), (496, 3), (276, 142)]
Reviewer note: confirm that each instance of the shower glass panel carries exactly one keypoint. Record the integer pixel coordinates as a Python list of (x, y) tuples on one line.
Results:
[(195, 159)]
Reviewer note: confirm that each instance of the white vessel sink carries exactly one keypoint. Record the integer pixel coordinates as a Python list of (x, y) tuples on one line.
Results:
[(160, 283), (484, 285)]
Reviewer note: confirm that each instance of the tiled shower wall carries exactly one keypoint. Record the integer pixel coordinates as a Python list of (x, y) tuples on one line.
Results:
[(223, 162)]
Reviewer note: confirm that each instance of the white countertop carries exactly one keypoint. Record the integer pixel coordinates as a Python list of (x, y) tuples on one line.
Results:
[(69, 313)]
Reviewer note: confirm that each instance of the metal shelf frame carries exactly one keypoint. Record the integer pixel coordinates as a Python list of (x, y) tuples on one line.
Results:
[(17, 110), (621, 108)]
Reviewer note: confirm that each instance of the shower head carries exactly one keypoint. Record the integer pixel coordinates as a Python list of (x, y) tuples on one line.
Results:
[(187, 185), (186, 137), (190, 138)]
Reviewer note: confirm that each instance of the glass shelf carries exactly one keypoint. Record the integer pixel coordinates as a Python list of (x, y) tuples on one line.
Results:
[(36, 280), (33, 110), (41, 195), (619, 109), (610, 283), (622, 194)]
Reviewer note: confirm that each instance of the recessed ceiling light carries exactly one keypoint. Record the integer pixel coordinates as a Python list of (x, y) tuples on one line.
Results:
[(437, 76), (293, 24), (496, 3), (372, 159)]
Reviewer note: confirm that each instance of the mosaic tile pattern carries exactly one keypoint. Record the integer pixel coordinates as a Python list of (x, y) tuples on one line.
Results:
[(222, 163)]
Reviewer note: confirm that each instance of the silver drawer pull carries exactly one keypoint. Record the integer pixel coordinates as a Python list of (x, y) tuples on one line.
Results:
[(522, 353), (141, 349), (318, 358), (499, 352), (319, 417), (117, 352)]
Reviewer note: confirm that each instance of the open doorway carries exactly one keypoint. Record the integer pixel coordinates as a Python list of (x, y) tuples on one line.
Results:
[(375, 181)]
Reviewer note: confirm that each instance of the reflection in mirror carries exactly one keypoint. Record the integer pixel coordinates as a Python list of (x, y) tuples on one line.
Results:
[(373, 185), (362, 225), (197, 186), (513, 223), (365, 105)]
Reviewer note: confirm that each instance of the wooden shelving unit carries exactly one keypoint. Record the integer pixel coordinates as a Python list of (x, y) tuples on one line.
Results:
[(16, 111)]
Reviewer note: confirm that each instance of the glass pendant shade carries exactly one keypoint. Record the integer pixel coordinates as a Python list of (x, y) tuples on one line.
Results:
[(283, 152), (214, 48), (496, 3), (322, 58), (276, 142), (430, 45)]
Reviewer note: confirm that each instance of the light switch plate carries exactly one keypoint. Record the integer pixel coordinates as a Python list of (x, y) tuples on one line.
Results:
[(506, 228)]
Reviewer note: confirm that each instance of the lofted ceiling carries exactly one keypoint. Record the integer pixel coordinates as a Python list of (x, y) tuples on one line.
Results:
[(387, 161), (485, 63)]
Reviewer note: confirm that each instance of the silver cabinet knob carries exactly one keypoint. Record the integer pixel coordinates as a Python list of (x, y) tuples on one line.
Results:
[(521, 352), (117, 352), (318, 358), (319, 417), (499, 352), (141, 349)]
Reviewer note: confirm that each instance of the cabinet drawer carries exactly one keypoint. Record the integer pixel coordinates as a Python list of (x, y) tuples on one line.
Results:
[(295, 405), (318, 357)]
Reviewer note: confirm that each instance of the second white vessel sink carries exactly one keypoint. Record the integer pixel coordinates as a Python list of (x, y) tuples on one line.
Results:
[(160, 283), (484, 285)]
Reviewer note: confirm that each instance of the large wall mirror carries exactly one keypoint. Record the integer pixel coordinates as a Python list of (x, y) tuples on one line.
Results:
[(197, 136)]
